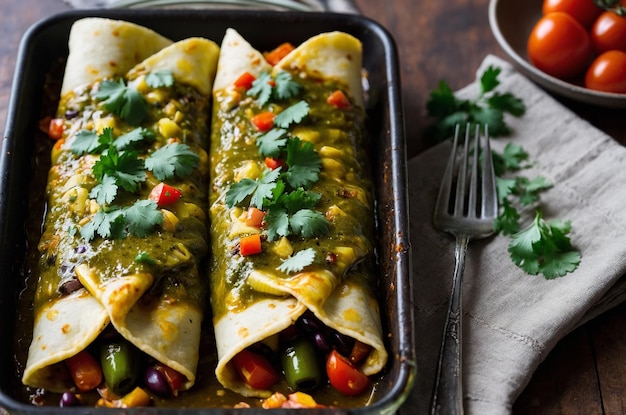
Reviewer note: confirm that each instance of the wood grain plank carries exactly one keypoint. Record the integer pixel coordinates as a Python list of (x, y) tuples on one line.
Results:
[(608, 339), (566, 382)]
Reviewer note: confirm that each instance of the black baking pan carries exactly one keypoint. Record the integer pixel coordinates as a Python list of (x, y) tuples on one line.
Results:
[(23, 171)]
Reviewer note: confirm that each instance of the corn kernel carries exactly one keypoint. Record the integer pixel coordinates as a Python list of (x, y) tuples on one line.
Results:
[(168, 128)]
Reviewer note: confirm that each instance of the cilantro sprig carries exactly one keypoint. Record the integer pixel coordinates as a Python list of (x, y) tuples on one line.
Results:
[(281, 87), (543, 247), (122, 100), (284, 192), (489, 107)]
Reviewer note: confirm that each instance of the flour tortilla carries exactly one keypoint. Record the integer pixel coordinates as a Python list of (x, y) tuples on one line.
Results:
[(343, 302), (167, 330)]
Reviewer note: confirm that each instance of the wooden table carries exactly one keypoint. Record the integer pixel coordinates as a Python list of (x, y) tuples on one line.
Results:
[(586, 372)]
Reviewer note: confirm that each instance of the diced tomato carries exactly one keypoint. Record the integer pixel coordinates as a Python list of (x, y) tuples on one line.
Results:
[(264, 121), (85, 371), (250, 245), (245, 80), (338, 100), (255, 217), (343, 376), (255, 369), (164, 194), (274, 163), (55, 128), (274, 56)]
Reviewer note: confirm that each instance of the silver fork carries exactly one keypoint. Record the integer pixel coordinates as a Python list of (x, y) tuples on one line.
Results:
[(468, 212)]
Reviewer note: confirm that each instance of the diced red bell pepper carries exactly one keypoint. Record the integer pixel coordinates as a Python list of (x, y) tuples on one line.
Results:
[(338, 100), (164, 194), (250, 245), (264, 121), (245, 80), (274, 56), (273, 163)]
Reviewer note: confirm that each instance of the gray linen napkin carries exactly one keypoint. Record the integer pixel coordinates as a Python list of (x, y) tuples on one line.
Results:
[(511, 319)]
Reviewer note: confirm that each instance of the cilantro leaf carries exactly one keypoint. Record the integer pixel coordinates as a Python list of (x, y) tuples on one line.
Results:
[(160, 78), (292, 114), (286, 87), (265, 187), (172, 159), (511, 158), (142, 217), (304, 163), (261, 88), (488, 107), (529, 189), (85, 142), (298, 261), (299, 199), (544, 248), (489, 79), (309, 223), (106, 224), (105, 191), (277, 221), (125, 167), (507, 221), (121, 100), (239, 191), (128, 140), (271, 143)]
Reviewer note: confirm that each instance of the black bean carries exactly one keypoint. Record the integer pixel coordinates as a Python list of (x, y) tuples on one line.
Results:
[(68, 399), (70, 286), (321, 342), (342, 343), (310, 324), (156, 382)]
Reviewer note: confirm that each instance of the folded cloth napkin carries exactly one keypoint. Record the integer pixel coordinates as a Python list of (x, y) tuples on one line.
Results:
[(338, 6), (512, 319)]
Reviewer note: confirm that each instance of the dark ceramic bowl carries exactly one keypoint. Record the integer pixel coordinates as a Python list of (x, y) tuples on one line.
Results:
[(511, 22)]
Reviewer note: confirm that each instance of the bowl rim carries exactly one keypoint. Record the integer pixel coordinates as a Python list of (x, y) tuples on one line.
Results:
[(552, 84)]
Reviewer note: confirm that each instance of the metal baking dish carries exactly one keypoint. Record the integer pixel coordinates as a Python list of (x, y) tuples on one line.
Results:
[(46, 43)]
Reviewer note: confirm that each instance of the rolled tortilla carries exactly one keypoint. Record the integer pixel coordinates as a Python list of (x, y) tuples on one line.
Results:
[(252, 300), (148, 287)]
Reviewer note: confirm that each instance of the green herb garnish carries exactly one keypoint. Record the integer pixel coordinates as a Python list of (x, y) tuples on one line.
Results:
[(298, 261), (122, 100), (543, 247), (488, 107)]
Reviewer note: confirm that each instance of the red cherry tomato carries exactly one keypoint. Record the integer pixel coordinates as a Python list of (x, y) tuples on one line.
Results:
[(164, 194), (608, 72), (85, 371), (585, 11), (609, 33), (560, 46), (255, 369), (343, 376)]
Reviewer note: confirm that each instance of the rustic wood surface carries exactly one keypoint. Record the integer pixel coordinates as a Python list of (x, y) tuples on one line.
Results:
[(586, 372)]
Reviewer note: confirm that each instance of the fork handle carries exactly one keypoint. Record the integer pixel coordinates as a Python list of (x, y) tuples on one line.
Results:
[(448, 391)]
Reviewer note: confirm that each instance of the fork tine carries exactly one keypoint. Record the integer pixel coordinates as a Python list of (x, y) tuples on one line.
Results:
[(489, 206), (443, 198), (471, 203), (459, 200)]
